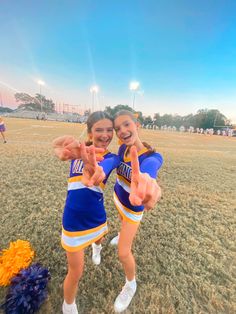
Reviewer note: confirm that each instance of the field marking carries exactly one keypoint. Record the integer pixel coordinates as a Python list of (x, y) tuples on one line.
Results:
[(16, 130), (42, 126), (28, 142)]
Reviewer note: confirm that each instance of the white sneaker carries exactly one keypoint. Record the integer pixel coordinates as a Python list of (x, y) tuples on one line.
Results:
[(115, 240), (96, 255), (69, 308), (124, 298)]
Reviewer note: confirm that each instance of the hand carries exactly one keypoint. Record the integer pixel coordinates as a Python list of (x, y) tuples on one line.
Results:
[(144, 190), (93, 174), (60, 144), (68, 148)]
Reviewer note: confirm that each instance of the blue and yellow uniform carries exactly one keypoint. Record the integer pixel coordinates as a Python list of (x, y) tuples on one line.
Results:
[(149, 163), (84, 218)]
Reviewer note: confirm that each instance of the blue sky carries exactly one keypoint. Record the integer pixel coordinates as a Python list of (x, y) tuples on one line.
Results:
[(182, 52)]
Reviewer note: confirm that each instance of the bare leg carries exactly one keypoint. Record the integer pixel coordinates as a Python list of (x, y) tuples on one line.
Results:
[(127, 235), (3, 136), (75, 270)]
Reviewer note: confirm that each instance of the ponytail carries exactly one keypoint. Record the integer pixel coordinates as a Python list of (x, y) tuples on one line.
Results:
[(151, 150)]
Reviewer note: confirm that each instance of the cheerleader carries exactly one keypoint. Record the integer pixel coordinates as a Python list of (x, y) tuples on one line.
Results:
[(84, 219), (135, 190), (2, 129)]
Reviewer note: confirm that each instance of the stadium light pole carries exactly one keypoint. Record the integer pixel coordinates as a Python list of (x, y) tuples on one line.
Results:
[(41, 83), (134, 87), (94, 90)]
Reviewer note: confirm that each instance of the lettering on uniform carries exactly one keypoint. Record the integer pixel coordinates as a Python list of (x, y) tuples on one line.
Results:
[(77, 166), (124, 170)]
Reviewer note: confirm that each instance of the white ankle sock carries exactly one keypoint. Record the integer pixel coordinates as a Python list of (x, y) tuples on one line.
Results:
[(97, 245), (68, 306), (132, 283)]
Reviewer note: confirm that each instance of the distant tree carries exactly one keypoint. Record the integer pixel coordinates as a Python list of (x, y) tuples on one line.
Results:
[(5, 110), (167, 119), (204, 118), (177, 121), (188, 121), (147, 120), (157, 119), (210, 119), (37, 103), (114, 110)]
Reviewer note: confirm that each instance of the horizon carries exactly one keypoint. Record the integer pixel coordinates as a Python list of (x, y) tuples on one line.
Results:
[(183, 55)]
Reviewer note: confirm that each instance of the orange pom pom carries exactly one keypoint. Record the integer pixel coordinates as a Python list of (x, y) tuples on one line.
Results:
[(12, 260)]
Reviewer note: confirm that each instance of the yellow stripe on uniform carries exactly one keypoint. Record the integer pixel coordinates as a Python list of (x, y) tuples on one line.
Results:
[(128, 214), (75, 179), (80, 233), (76, 184), (81, 239)]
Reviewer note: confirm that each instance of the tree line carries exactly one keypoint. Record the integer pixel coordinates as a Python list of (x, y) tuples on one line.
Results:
[(204, 118)]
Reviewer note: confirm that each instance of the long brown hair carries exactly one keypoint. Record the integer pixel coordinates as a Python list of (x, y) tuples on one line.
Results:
[(92, 119), (134, 117)]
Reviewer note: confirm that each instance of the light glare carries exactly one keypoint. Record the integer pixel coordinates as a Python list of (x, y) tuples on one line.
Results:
[(134, 86), (40, 82), (94, 89)]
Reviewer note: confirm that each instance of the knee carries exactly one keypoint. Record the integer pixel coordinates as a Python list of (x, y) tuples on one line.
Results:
[(74, 275), (124, 255)]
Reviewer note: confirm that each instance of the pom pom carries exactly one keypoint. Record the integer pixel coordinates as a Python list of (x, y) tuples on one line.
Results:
[(27, 291), (12, 260)]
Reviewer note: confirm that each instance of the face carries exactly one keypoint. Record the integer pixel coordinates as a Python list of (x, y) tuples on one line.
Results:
[(126, 130), (102, 133)]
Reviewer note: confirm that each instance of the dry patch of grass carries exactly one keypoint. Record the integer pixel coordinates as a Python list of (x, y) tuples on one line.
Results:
[(185, 250)]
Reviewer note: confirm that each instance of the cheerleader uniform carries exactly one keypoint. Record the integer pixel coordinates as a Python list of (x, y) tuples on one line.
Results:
[(2, 127), (84, 218), (149, 163)]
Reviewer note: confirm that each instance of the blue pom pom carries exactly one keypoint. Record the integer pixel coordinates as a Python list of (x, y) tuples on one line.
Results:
[(27, 291)]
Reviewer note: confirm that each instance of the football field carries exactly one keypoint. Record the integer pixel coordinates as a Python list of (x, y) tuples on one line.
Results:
[(186, 246)]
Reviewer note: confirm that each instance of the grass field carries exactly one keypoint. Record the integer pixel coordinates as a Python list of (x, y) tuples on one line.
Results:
[(185, 249)]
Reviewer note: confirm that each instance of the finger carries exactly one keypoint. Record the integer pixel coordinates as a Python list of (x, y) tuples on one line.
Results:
[(98, 178), (158, 192), (83, 153), (74, 147), (63, 154), (135, 200), (99, 158), (73, 144), (141, 189), (133, 197), (153, 194), (134, 164), (92, 157), (133, 191), (97, 174), (62, 141), (87, 174), (99, 150), (68, 140), (85, 181)]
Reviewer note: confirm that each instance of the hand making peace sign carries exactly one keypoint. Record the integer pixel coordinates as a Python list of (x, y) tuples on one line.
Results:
[(93, 174), (68, 148), (144, 190)]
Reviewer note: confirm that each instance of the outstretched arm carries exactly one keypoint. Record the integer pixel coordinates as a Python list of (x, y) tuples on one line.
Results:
[(144, 189), (68, 148)]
